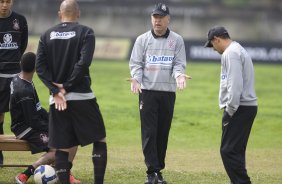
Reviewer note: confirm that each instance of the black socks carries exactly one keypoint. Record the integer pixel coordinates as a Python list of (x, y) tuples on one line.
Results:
[(1, 132), (29, 171), (63, 166), (1, 127), (99, 158)]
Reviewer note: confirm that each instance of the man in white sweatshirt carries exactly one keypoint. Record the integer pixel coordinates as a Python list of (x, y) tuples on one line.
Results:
[(238, 99), (157, 67)]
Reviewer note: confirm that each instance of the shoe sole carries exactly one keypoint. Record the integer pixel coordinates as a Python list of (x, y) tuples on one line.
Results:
[(18, 181)]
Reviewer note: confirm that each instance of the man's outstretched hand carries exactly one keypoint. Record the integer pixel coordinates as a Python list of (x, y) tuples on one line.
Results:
[(181, 81)]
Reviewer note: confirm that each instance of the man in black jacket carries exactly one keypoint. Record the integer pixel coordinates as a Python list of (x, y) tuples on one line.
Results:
[(29, 119), (13, 42), (64, 55)]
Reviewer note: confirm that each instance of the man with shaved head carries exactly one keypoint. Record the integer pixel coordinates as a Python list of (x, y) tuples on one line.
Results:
[(69, 8), (64, 55)]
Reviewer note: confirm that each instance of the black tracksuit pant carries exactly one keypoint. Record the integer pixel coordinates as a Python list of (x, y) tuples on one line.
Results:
[(156, 112), (234, 142)]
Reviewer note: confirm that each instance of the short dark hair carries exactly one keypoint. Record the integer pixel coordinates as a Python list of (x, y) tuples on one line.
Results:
[(28, 62)]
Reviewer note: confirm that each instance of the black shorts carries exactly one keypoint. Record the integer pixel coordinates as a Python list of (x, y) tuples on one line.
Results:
[(80, 124), (4, 94), (37, 140)]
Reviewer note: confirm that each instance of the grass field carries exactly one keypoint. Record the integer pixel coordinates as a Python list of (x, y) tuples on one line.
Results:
[(193, 150)]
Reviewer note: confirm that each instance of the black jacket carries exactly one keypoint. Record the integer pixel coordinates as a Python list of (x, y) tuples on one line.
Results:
[(64, 55), (25, 109), (13, 42)]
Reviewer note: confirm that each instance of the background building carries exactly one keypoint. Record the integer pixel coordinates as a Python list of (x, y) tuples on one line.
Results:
[(246, 19), (257, 24)]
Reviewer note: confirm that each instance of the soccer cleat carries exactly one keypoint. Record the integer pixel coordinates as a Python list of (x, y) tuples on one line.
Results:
[(21, 178), (152, 179), (73, 180), (161, 180)]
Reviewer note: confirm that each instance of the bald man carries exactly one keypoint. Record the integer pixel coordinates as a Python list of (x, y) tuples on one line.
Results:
[(65, 53)]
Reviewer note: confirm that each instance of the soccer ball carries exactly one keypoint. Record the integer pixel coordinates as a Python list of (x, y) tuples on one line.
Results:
[(45, 174)]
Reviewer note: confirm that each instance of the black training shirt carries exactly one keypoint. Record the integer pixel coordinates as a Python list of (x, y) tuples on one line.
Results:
[(26, 111), (64, 55), (13, 42)]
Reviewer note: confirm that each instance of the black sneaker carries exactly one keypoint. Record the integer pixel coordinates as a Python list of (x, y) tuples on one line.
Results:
[(152, 179), (161, 180)]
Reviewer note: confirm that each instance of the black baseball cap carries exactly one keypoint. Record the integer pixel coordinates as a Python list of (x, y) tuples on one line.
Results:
[(161, 9), (215, 31)]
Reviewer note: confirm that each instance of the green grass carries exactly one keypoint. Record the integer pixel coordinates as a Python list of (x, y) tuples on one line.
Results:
[(193, 150)]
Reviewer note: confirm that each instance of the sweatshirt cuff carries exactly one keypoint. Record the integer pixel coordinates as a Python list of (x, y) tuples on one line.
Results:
[(66, 87), (139, 79), (230, 111), (54, 91), (177, 74)]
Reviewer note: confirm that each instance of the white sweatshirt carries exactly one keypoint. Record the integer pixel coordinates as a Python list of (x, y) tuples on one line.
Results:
[(156, 62), (237, 84)]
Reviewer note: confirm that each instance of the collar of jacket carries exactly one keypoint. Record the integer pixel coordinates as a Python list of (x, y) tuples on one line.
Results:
[(162, 36)]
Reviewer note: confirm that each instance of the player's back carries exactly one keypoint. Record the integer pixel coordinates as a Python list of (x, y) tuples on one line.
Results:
[(69, 49)]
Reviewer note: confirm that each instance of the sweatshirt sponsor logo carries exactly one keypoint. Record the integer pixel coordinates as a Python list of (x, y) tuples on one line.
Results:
[(62, 35), (163, 60), (8, 44)]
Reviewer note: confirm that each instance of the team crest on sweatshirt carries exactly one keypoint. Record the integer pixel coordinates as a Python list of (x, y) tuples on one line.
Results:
[(171, 44), (16, 24)]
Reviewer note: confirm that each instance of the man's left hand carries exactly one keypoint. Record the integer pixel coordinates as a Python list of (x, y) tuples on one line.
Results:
[(181, 81), (60, 102)]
